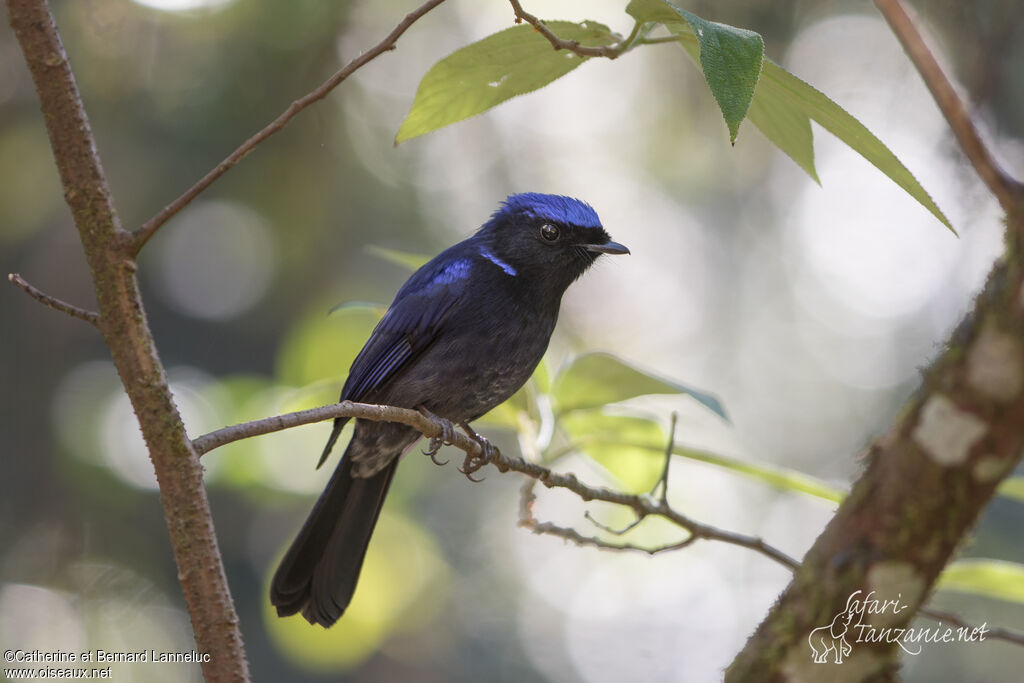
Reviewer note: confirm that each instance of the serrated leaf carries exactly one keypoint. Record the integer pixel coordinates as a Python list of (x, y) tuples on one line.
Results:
[(597, 379), (784, 91), (783, 107), (731, 59), (406, 259), (657, 11), (787, 128), (991, 578), (480, 76)]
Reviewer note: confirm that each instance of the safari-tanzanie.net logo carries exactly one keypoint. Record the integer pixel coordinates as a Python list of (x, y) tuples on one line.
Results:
[(867, 619)]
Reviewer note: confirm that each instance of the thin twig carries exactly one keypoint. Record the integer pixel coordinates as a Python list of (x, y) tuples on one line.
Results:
[(149, 228), (56, 304), (663, 480), (608, 51), (1009, 191), (570, 534), (604, 527)]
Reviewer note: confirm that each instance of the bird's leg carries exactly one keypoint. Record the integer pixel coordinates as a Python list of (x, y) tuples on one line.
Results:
[(446, 438), (474, 462)]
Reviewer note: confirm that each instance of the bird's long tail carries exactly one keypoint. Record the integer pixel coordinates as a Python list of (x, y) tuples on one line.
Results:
[(319, 572)]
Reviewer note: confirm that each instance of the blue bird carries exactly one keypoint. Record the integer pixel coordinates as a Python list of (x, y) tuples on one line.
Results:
[(462, 335)]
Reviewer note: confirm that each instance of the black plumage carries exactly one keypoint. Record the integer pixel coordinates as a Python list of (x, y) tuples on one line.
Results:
[(462, 335)]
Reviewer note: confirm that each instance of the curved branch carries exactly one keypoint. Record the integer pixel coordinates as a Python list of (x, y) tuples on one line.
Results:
[(642, 506), (56, 304), (149, 228), (1009, 191)]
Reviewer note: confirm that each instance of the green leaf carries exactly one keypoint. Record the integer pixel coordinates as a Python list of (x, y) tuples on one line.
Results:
[(990, 578), (779, 477), (630, 449), (787, 98), (657, 11), (783, 107), (731, 59), (477, 77), (597, 379), (406, 259), (787, 128)]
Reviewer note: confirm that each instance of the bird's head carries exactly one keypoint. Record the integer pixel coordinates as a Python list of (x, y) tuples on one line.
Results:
[(546, 237)]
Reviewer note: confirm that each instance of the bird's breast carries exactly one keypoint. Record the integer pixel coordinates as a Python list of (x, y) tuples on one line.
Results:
[(482, 357)]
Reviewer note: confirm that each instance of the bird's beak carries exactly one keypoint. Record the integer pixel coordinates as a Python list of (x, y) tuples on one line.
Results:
[(608, 248)]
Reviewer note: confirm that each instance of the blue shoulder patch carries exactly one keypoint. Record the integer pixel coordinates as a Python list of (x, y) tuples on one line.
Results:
[(454, 271), (486, 253), (552, 207)]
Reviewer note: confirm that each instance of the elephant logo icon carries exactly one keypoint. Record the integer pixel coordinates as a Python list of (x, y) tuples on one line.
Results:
[(832, 638)]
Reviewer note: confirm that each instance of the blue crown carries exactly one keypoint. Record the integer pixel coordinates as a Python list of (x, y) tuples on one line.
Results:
[(551, 207)]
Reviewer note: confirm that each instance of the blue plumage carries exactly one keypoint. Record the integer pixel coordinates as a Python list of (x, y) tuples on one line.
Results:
[(462, 335), (549, 207)]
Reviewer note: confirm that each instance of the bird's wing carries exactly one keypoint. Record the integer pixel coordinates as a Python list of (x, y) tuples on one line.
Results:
[(406, 330), (409, 327)]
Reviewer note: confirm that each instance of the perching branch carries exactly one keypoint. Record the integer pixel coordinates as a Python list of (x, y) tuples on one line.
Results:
[(45, 299), (642, 506), (149, 228), (1009, 191)]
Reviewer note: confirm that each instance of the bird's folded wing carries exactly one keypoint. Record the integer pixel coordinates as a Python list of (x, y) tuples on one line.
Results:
[(409, 327)]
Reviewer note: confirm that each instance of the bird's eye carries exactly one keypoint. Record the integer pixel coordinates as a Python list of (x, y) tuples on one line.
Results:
[(549, 232)]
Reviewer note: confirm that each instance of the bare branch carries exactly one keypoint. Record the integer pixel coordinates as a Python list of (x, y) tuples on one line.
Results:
[(90, 317), (149, 228), (1009, 191), (669, 447), (608, 51), (429, 427), (433, 427)]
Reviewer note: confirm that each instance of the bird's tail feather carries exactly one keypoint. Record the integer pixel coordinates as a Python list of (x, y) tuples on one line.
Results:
[(339, 423), (319, 572)]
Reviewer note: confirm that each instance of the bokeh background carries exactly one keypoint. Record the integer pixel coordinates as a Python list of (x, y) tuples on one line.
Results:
[(808, 310)]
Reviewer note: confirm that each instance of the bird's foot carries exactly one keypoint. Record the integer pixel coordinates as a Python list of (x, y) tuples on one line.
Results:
[(446, 438), (472, 463)]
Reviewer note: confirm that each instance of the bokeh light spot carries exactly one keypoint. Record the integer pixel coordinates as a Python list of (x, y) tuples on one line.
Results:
[(217, 261)]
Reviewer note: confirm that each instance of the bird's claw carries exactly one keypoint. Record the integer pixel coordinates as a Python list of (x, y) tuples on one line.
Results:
[(432, 448), (472, 463), (445, 439)]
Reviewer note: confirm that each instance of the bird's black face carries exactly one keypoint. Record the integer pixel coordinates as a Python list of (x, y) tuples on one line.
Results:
[(548, 238)]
